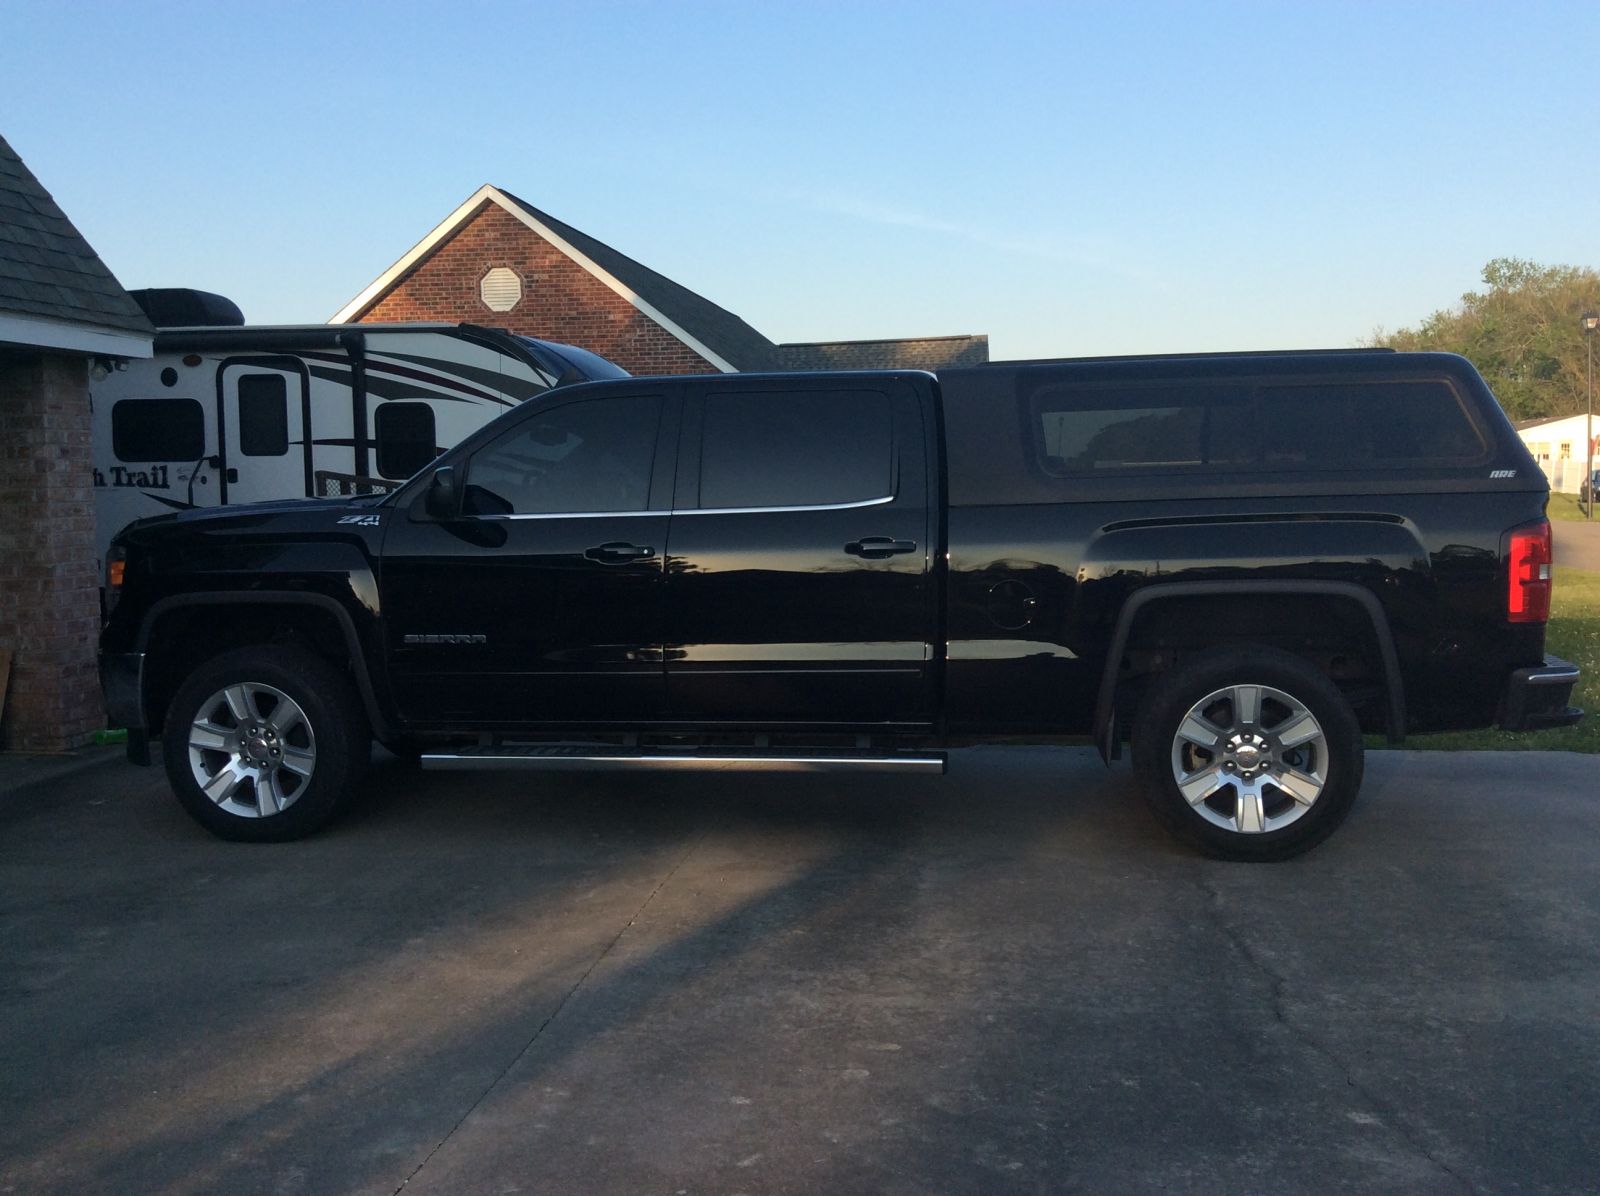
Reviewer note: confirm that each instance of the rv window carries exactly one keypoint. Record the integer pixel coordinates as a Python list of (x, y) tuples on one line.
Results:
[(406, 438), (158, 430), (263, 415), (583, 458)]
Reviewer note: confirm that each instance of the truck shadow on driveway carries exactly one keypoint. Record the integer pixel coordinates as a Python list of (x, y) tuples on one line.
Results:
[(1003, 979)]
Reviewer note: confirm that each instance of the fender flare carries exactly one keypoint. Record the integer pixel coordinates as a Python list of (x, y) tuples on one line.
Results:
[(358, 660), (1105, 738)]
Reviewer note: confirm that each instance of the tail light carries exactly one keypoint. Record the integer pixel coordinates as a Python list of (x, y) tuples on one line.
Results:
[(1528, 596)]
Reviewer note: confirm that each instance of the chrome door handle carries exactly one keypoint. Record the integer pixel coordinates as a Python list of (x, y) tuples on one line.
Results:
[(877, 548), (618, 553)]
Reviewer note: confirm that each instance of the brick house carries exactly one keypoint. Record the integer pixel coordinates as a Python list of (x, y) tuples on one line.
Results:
[(60, 312), (499, 260)]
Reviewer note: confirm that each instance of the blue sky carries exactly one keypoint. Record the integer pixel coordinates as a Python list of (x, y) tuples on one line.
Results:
[(1071, 179)]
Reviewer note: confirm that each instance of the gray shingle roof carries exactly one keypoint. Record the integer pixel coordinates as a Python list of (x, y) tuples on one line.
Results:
[(715, 327), (47, 269), (908, 353)]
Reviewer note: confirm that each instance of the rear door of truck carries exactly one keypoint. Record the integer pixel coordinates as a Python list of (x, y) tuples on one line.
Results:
[(800, 572)]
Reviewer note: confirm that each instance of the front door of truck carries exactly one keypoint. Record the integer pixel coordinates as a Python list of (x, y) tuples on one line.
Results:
[(541, 601), (799, 580), (263, 406)]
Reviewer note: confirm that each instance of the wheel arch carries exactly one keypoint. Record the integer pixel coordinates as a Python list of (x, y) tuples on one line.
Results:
[(1106, 738), (324, 607)]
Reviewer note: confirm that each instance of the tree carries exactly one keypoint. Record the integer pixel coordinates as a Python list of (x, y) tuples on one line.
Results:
[(1522, 333)]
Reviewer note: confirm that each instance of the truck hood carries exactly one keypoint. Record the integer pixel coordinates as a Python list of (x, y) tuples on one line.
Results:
[(277, 517)]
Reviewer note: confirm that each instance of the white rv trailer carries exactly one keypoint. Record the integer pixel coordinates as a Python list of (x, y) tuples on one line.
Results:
[(246, 414)]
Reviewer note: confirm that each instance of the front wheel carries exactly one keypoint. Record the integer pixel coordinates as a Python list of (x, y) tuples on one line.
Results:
[(265, 743), (1248, 754)]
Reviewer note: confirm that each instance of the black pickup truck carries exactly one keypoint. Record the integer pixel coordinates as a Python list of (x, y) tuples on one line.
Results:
[(1238, 563)]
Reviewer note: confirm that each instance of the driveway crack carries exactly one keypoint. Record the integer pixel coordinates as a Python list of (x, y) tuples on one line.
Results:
[(1280, 985), (683, 858)]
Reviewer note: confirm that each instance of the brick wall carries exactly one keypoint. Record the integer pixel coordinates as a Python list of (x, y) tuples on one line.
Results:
[(49, 590), (561, 301)]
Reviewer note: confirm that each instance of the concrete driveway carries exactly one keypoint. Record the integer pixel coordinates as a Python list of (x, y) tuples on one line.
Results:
[(1577, 545), (1003, 981)]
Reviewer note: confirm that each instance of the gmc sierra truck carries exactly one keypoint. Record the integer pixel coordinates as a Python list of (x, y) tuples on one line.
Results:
[(1240, 564)]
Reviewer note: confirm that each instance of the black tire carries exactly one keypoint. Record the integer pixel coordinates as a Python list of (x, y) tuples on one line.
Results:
[(1161, 755), (333, 728)]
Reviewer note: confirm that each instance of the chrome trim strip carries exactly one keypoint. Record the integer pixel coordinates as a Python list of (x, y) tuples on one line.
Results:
[(442, 761), (1001, 649), (575, 515), (1552, 675), (810, 652), (832, 506), (828, 506)]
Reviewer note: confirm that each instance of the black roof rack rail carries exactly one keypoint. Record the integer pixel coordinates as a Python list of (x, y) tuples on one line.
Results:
[(1188, 356)]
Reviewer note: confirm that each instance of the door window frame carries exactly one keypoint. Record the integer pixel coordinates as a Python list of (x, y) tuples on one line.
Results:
[(662, 470), (691, 442)]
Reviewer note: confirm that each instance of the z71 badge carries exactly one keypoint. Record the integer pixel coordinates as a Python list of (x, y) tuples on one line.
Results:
[(363, 520)]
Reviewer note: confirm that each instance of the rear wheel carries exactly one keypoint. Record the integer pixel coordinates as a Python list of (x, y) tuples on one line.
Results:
[(1248, 754), (265, 743)]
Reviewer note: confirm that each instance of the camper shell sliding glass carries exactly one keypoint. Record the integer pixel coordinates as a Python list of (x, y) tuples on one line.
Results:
[(229, 415), (1242, 425)]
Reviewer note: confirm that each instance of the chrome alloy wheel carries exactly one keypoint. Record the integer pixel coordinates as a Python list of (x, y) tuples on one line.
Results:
[(1250, 758), (252, 750)]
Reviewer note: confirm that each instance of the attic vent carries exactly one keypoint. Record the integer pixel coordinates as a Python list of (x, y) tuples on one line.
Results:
[(501, 289)]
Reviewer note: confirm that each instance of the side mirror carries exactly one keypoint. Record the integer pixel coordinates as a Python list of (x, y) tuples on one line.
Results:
[(442, 500)]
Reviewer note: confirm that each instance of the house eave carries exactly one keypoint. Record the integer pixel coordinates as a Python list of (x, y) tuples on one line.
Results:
[(64, 336)]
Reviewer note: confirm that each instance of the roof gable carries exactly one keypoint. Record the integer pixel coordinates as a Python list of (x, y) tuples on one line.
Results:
[(47, 270), (714, 333)]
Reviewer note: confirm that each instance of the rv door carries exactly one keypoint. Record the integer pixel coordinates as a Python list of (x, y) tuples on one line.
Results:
[(264, 418)]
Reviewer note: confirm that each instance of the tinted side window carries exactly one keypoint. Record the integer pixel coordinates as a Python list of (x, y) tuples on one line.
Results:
[(1347, 426), (158, 430), (405, 436), (580, 458), (263, 415), (1083, 429), (813, 448)]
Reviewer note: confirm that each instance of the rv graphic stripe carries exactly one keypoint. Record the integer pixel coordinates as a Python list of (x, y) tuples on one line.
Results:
[(174, 503), (385, 388), (517, 388), (402, 371)]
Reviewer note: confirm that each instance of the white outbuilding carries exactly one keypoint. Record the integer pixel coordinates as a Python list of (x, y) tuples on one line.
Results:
[(1558, 446)]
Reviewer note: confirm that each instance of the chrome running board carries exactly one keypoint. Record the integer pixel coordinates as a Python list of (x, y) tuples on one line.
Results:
[(596, 759)]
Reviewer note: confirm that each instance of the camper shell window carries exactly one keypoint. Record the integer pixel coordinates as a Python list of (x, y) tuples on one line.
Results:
[(144, 430), (1085, 429), (1298, 426), (1365, 425), (406, 438), (263, 415)]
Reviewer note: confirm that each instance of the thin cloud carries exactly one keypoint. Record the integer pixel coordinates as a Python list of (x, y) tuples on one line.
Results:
[(1082, 254)]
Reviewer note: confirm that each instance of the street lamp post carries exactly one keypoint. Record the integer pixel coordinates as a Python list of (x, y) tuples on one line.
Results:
[(1591, 321)]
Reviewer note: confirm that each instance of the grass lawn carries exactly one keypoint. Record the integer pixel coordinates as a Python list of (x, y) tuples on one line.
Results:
[(1564, 508), (1574, 635)]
